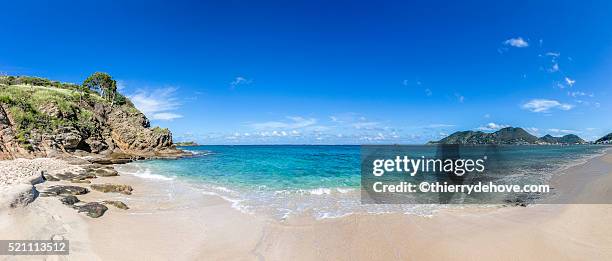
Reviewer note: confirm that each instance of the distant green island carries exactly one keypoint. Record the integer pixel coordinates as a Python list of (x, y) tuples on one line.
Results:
[(186, 143), (515, 136)]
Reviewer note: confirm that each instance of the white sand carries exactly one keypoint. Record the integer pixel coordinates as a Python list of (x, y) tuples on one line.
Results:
[(18, 170), (168, 220)]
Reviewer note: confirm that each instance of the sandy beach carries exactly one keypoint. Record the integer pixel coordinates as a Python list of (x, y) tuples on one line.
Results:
[(170, 220)]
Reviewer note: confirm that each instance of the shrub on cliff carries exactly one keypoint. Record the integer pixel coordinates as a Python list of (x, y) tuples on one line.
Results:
[(102, 83), (37, 115)]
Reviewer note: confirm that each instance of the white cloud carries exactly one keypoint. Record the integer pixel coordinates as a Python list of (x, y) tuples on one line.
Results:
[(368, 125), (560, 85), (516, 42), (544, 105), (460, 97), (579, 93), (439, 125), (157, 104), (562, 131), (295, 122), (373, 138), (493, 127), (407, 83), (343, 118), (165, 116), (355, 121), (533, 131), (554, 68), (553, 59), (394, 135), (238, 81), (553, 54), (120, 85), (569, 81)]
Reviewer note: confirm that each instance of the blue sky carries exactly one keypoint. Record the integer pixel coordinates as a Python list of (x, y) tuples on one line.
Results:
[(323, 72)]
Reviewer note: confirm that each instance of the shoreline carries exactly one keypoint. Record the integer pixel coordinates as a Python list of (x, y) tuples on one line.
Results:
[(238, 197), (170, 220)]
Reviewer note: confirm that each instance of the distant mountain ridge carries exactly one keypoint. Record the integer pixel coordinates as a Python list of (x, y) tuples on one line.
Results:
[(567, 139), (605, 139), (509, 136)]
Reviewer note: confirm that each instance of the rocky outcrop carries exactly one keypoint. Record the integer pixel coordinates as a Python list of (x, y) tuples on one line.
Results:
[(20, 191), (92, 209), (17, 195), (63, 121), (117, 204), (118, 188), (19, 178), (70, 176), (70, 200), (60, 190), (131, 133), (103, 172), (9, 146)]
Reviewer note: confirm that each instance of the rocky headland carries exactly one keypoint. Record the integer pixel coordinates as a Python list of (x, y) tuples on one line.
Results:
[(58, 137), (43, 118)]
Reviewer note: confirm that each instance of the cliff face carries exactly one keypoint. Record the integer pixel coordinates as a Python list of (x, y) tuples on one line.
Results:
[(42, 121), (131, 132)]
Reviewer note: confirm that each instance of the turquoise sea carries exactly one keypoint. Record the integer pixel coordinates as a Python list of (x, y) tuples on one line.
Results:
[(323, 181)]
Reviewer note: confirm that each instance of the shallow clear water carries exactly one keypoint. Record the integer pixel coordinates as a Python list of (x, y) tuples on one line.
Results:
[(319, 180)]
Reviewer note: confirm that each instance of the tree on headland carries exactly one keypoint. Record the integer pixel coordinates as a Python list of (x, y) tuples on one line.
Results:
[(102, 83)]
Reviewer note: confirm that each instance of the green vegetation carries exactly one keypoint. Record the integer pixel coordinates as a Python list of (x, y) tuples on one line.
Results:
[(508, 136), (40, 106), (104, 84), (24, 103), (605, 139), (186, 143), (36, 81)]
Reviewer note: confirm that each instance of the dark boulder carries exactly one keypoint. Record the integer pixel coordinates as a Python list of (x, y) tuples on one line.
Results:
[(60, 190), (92, 209), (69, 200), (117, 204), (106, 172), (119, 188)]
